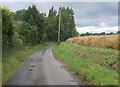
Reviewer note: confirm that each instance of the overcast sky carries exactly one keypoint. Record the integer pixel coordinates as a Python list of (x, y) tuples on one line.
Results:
[(93, 17)]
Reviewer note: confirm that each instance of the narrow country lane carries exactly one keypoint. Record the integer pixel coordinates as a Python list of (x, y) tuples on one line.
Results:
[(41, 68)]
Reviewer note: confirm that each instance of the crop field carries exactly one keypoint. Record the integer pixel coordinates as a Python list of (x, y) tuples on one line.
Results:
[(105, 41)]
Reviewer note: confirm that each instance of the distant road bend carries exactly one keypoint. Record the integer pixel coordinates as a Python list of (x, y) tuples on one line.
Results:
[(41, 68)]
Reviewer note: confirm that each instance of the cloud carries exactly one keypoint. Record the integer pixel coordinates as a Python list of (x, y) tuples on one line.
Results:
[(95, 13), (102, 24), (95, 29)]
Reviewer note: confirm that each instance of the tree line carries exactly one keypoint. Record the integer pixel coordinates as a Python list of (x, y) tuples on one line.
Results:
[(102, 33), (31, 27)]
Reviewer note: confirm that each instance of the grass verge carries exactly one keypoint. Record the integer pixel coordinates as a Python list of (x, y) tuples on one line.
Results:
[(14, 57), (84, 65)]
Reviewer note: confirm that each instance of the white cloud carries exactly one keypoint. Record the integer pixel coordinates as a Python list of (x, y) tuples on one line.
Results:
[(95, 29), (102, 24)]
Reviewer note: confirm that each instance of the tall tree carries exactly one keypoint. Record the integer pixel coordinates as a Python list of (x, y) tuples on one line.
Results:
[(34, 18), (18, 15), (28, 33), (51, 28), (7, 27), (67, 23)]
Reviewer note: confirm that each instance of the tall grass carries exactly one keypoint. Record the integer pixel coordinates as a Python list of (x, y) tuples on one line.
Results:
[(106, 41)]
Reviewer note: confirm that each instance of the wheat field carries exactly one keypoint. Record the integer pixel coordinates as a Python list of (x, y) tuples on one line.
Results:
[(106, 41)]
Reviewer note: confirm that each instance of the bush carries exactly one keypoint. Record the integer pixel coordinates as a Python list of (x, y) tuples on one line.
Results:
[(7, 28), (28, 33), (16, 41)]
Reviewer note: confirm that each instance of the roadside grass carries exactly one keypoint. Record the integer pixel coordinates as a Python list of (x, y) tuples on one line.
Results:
[(105, 57), (14, 57), (86, 63)]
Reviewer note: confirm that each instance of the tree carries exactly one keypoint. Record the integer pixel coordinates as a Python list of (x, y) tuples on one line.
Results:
[(34, 18), (28, 33), (51, 25), (7, 27), (67, 23), (111, 32), (18, 15), (103, 33), (44, 37)]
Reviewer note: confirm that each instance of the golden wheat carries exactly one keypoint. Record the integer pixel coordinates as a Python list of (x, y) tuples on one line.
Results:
[(106, 41)]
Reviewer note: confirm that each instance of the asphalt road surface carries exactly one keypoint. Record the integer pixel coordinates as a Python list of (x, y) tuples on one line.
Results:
[(41, 68)]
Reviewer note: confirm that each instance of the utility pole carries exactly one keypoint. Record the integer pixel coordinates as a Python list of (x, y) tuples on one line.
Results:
[(59, 27)]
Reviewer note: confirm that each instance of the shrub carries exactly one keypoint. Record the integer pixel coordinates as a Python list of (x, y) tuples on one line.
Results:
[(16, 41)]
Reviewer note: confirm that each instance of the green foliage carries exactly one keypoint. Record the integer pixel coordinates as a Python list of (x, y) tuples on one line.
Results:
[(7, 28), (102, 33), (31, 14), (44, 37), (52, 12), (16, 41), (18, 15), (52, 25), (28, 33), (10, 30), (67, 23), (34, 18)]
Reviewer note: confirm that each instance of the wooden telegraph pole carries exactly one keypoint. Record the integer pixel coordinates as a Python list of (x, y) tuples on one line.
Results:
[(59, 27)]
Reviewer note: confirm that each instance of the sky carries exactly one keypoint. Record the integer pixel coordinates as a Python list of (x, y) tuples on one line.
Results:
[(93, 17)]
